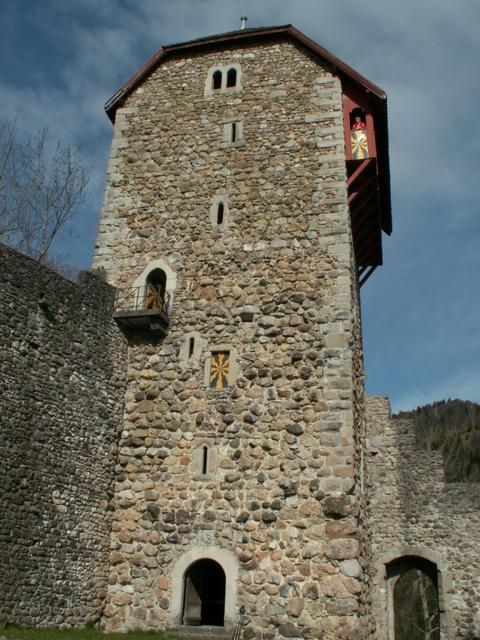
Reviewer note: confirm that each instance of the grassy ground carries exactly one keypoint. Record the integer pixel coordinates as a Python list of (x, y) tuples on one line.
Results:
[(88, 633)]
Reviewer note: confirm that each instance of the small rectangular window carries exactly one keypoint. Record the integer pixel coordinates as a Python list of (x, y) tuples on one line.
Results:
[(233, 132), (219, 370)]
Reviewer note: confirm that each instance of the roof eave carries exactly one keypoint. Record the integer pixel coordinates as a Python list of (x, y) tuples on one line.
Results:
[(338, 66)]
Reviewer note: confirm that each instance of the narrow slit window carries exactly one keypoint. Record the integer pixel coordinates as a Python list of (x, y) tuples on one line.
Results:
[(220, 213), (231, 78), (217, 80), (234, 132), (191, 347), (204, 461)]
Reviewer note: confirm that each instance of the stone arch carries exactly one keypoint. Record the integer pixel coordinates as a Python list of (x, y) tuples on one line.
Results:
[(204, 594), (383, 587), (229, 564), (158, 265)]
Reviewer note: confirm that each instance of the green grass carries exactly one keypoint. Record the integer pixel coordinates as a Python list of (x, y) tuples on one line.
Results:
[(87, 633)]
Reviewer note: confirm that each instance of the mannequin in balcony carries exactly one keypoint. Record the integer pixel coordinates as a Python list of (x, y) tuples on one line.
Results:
[(358, 124), (359, 139)]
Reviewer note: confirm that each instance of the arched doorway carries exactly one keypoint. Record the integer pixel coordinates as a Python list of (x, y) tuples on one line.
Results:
[(155, 288), (204, 594), (414, 599)]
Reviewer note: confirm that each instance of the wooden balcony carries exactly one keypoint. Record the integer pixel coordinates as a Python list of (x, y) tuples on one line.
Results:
[(143, 308)]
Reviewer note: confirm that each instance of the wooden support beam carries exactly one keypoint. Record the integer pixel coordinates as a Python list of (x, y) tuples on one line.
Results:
[(362, 281), (359, 170)]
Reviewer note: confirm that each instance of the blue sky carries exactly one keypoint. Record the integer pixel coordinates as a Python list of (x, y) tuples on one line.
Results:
[(62, 59)]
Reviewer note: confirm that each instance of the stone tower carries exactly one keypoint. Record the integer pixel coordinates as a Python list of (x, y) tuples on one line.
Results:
[(246, 196)]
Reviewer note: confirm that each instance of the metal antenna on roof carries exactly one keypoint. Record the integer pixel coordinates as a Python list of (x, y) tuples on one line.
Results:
[(243, 20)]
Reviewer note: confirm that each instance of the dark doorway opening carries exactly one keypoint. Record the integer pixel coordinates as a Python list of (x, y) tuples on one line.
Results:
[(416, 611), (204, 594), (155, 288)]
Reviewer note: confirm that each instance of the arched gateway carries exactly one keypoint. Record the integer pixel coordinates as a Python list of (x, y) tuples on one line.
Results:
[(204, 594), (204, 587)]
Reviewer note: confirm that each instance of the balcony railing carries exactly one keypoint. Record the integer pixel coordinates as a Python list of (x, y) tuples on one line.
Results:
[(143, 308), (151, 296)]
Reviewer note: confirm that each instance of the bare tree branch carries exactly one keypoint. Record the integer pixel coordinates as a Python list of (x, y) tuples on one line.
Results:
[(40, 192)]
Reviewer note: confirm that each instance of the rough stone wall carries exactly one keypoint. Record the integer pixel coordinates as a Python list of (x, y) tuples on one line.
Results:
[(61, 377), (413, 511), (361, 480), (281, 498)]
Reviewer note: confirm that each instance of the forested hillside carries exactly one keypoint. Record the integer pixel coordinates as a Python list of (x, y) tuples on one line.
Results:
[(453, 427)]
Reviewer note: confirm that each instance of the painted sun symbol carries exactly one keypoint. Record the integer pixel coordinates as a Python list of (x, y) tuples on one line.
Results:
[(219, 371), (359, 145)]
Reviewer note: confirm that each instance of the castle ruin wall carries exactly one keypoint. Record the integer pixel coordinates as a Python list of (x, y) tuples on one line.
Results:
[(62, 384), (413, 511)]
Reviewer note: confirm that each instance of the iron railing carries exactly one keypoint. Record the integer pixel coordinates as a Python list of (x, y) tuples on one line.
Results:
[(237, 630), (151, 297)]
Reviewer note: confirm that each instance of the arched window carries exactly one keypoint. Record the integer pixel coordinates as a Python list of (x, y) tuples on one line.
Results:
[(217, 80), (204, 594), (155, 287), (223, 78), (414, 598), (231, 77), (219, 212)]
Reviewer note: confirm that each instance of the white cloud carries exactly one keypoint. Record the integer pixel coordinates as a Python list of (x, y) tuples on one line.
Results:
[(419, 309)]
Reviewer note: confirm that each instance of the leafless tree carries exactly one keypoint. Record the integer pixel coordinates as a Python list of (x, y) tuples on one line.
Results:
[(430, 627), (7, 215), (40, 190)]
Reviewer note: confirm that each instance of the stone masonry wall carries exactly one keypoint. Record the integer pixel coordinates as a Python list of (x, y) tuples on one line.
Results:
[(279, 498), (61, 377), (413, 511), (360, 470)]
